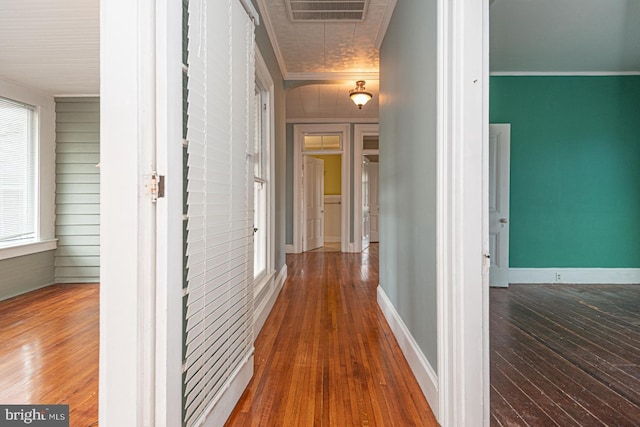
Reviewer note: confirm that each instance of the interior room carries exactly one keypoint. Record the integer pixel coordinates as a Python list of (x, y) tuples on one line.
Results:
[(320, 212)]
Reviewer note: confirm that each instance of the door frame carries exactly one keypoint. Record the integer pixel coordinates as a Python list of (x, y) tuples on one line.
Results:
[(299, 130), (141, 132), (462, 241), (360, 131)]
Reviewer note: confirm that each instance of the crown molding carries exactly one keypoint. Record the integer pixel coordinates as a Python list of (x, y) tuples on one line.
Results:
[(386, 19), (268, 25), (334, 76), (77, 95), (564, 73)]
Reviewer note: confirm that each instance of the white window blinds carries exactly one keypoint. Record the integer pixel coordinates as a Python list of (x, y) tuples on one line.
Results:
[(218, 336), (18, 160)]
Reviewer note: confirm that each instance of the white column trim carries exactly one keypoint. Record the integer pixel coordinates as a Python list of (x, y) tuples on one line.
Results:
[(462, 232), (127, 267), (169, 234)]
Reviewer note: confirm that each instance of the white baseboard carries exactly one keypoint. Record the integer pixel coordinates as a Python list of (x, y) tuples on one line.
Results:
[(332, 239), (219, 411), (424, 373), (289, 249), (613, 276), (268, 299)]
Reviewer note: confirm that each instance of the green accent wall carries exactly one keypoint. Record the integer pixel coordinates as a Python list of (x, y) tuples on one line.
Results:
[(575, 169)]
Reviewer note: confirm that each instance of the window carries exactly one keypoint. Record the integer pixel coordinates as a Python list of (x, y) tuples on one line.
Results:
[(322, 142), (263, 208), (260, 184), (18, 161)]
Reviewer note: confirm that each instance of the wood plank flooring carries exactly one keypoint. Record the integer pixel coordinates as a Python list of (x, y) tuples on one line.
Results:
[(326, 356), (565, 355), (49, 350)]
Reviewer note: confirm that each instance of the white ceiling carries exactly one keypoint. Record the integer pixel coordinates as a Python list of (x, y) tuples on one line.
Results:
[(565, 35), (330, 101), (327, 50), (51, 45)]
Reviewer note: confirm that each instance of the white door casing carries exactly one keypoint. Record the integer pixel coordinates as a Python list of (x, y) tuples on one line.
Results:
[(313, 177), (499, 161), (360, 132), (299, 131), (366, 225), (374, 206)]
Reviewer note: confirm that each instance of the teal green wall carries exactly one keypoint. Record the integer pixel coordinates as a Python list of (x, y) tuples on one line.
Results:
[(575, 169)]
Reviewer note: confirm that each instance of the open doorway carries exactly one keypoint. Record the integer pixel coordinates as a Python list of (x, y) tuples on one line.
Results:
[(366, 173), (322, 175), (321, 191)]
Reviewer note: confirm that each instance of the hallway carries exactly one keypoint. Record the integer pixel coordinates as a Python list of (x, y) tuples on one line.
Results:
[(326, 355)]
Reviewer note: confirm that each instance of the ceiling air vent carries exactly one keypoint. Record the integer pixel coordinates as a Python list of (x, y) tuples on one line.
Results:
[(326, 10)]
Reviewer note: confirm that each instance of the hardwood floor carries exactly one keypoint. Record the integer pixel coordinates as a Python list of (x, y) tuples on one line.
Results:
[(326, 356), (564, 355), (49, 351)]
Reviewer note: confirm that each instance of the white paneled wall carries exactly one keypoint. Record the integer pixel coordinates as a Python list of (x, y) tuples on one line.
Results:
[(77, 259), (332, 218)]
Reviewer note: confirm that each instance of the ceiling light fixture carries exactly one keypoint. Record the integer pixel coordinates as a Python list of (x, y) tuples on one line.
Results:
[(359, 96)]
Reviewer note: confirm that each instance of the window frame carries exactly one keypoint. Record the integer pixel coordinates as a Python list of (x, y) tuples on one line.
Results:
[(265, 86), (44, 185)]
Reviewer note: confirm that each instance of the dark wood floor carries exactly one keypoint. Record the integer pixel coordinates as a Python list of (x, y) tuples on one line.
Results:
[(564, 355), (326, 356), (49, 350)]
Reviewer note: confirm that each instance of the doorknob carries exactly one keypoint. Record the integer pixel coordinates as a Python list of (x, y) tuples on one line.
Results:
[(504, 220)]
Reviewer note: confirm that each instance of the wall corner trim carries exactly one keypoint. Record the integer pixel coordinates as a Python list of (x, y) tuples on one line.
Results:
[(289, 249), (424, 373)]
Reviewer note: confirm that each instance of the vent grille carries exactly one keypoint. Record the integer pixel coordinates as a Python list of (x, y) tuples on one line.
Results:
[(326, 10)]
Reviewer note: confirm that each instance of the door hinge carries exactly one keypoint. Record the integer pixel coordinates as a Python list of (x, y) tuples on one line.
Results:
[(154, 184)]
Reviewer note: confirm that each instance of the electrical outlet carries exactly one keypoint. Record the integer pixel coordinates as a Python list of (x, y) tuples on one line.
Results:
[(558, 277)]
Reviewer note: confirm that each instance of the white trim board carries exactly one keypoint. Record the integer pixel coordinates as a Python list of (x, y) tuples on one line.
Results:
[(289, 249), (420, 366), (613, 276), (564, 73), (268, 25)]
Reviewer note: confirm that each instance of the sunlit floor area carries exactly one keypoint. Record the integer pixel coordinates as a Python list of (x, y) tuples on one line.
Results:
[(49, 351), (326, 356)]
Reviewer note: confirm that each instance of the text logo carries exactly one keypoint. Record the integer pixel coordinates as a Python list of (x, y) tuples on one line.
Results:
[(34, 415)]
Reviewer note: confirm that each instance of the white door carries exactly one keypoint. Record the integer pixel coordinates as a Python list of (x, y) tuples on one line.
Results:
[(366, 217), (313, 177), (499, 159), (374, 208)]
